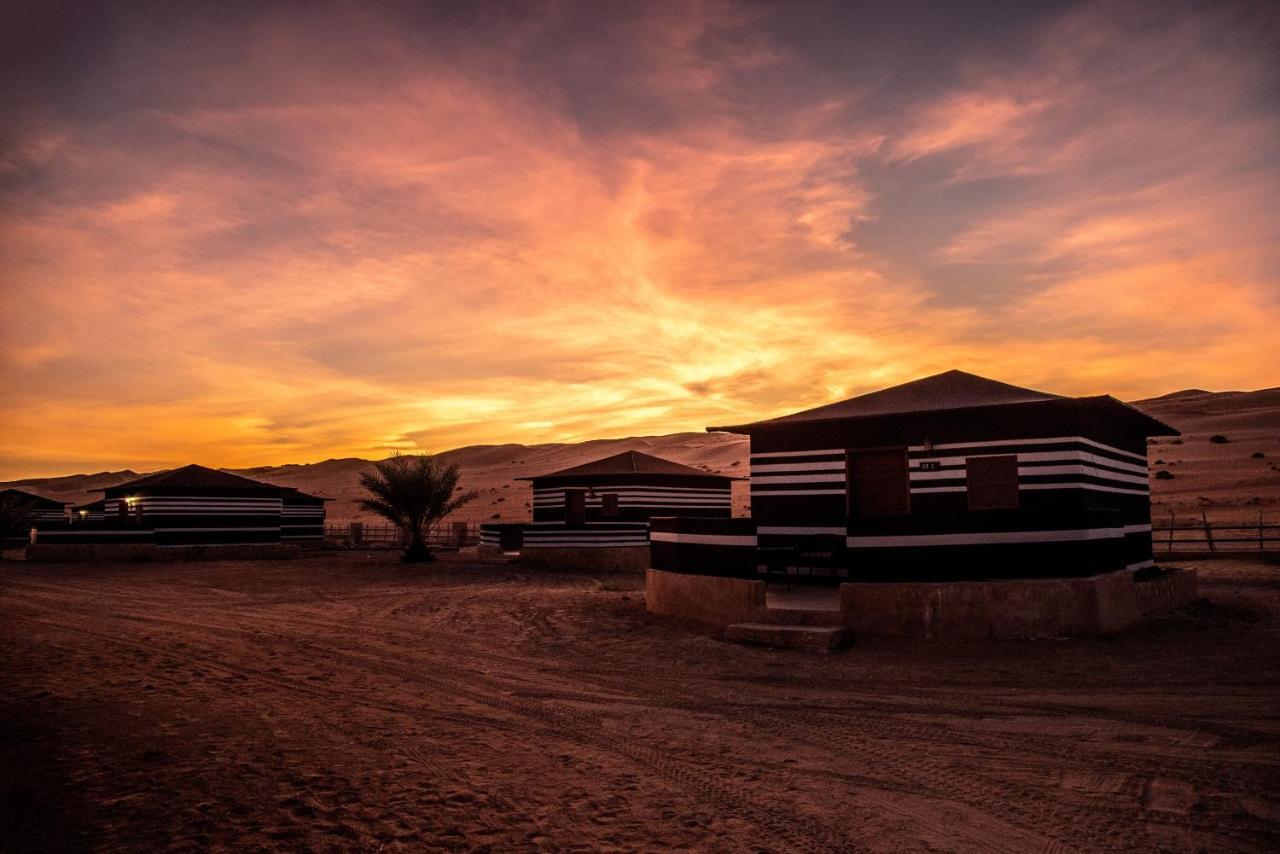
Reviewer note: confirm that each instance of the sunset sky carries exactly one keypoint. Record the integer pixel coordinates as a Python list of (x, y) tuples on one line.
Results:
[(249, 234)]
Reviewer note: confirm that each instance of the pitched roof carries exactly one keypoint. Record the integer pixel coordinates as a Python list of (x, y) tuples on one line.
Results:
[(193, 477), (948, 390), (23, 495), (628, 462)]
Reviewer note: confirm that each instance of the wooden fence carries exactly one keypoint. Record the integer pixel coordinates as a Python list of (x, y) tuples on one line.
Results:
[(1206, 536), (456, 534)]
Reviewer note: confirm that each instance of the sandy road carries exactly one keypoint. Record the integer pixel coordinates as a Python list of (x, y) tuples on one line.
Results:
[(345, 702)]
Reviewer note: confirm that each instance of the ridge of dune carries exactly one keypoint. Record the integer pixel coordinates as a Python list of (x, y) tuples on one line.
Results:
[(1222, 478)]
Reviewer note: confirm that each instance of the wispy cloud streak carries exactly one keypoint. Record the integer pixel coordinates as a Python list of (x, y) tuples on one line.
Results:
[(239, 240)]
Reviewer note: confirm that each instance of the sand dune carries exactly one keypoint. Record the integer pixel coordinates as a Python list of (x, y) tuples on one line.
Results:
[(1225, 480)]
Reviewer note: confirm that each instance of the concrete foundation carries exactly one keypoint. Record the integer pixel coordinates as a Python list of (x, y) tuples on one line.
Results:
[(618, 559), (1040, 608), (706, 598), (146, 552)]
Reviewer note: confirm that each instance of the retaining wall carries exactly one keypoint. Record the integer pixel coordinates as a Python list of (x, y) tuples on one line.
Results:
[(707, 598), (614, 559), (1032, 608)]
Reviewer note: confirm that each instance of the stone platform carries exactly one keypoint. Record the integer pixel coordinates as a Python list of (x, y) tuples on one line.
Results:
[(1031, 608)]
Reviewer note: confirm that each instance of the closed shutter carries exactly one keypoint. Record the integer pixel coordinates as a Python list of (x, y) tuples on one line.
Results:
[(992, 482), (878, 483)]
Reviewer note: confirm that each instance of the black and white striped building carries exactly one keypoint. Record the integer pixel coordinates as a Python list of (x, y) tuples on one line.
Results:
[(302, 517), (195, 506), (952, 476), (607, 503)]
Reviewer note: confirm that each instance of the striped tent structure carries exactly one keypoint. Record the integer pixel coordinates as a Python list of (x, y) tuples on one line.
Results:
[(950, 477), (193, 506), (596, 515), (302, 517), (31, 511)]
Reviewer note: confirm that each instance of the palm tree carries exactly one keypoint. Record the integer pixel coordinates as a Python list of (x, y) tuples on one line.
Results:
[(413, 492)]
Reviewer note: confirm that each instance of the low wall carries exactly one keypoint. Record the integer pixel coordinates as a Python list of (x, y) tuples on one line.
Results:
[(584, 559), (703, 546), (1040, 608), (1032, 608), (712, 599), (139, 552)]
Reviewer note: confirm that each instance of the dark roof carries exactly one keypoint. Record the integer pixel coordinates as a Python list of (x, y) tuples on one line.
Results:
[(628, 462), (23, 495), (192, 477), (948, 390), (293, 493)]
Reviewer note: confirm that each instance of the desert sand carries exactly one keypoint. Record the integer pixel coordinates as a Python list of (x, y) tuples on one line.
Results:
[(345, 702), (1224, 480)]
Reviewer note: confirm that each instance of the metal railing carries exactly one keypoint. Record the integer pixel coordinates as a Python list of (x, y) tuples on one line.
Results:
[(455, 534), (1206, 536)]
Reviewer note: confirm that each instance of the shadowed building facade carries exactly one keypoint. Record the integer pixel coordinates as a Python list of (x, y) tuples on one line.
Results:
[(194, 506), (39, 512), (582, 511), (950, 478)]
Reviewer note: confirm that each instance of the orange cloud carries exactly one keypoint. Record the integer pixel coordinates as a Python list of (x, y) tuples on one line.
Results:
[(286, 250)]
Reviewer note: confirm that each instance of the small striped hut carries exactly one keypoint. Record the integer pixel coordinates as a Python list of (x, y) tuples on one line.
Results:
[(197, 506), (953, 476), (597, 515)]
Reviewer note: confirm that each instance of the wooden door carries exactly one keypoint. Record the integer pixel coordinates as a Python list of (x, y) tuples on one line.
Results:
[(575, 506), (878, 482)]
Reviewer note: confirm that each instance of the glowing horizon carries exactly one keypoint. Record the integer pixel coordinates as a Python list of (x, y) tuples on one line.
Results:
[(252, 236)]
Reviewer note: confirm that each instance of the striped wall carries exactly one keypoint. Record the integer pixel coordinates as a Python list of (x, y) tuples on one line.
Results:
[(600, 535), (302, 523), (1069, 462), (202, 520), (556, 535), (635, 502), (1083, 505)]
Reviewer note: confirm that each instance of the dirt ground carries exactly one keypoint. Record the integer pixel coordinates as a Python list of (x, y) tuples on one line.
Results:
[(346, 702)]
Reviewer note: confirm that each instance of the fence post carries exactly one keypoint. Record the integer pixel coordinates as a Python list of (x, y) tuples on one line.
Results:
[(1260, 539), (1208, 532), (1171, 520), (357, 533)]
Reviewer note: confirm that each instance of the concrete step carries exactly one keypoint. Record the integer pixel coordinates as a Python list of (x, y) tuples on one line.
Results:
[(782, 615), (789, 637)]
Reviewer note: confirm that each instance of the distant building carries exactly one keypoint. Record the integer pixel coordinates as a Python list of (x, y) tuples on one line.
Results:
[(194, 506), (580, 512), (94, 511)]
